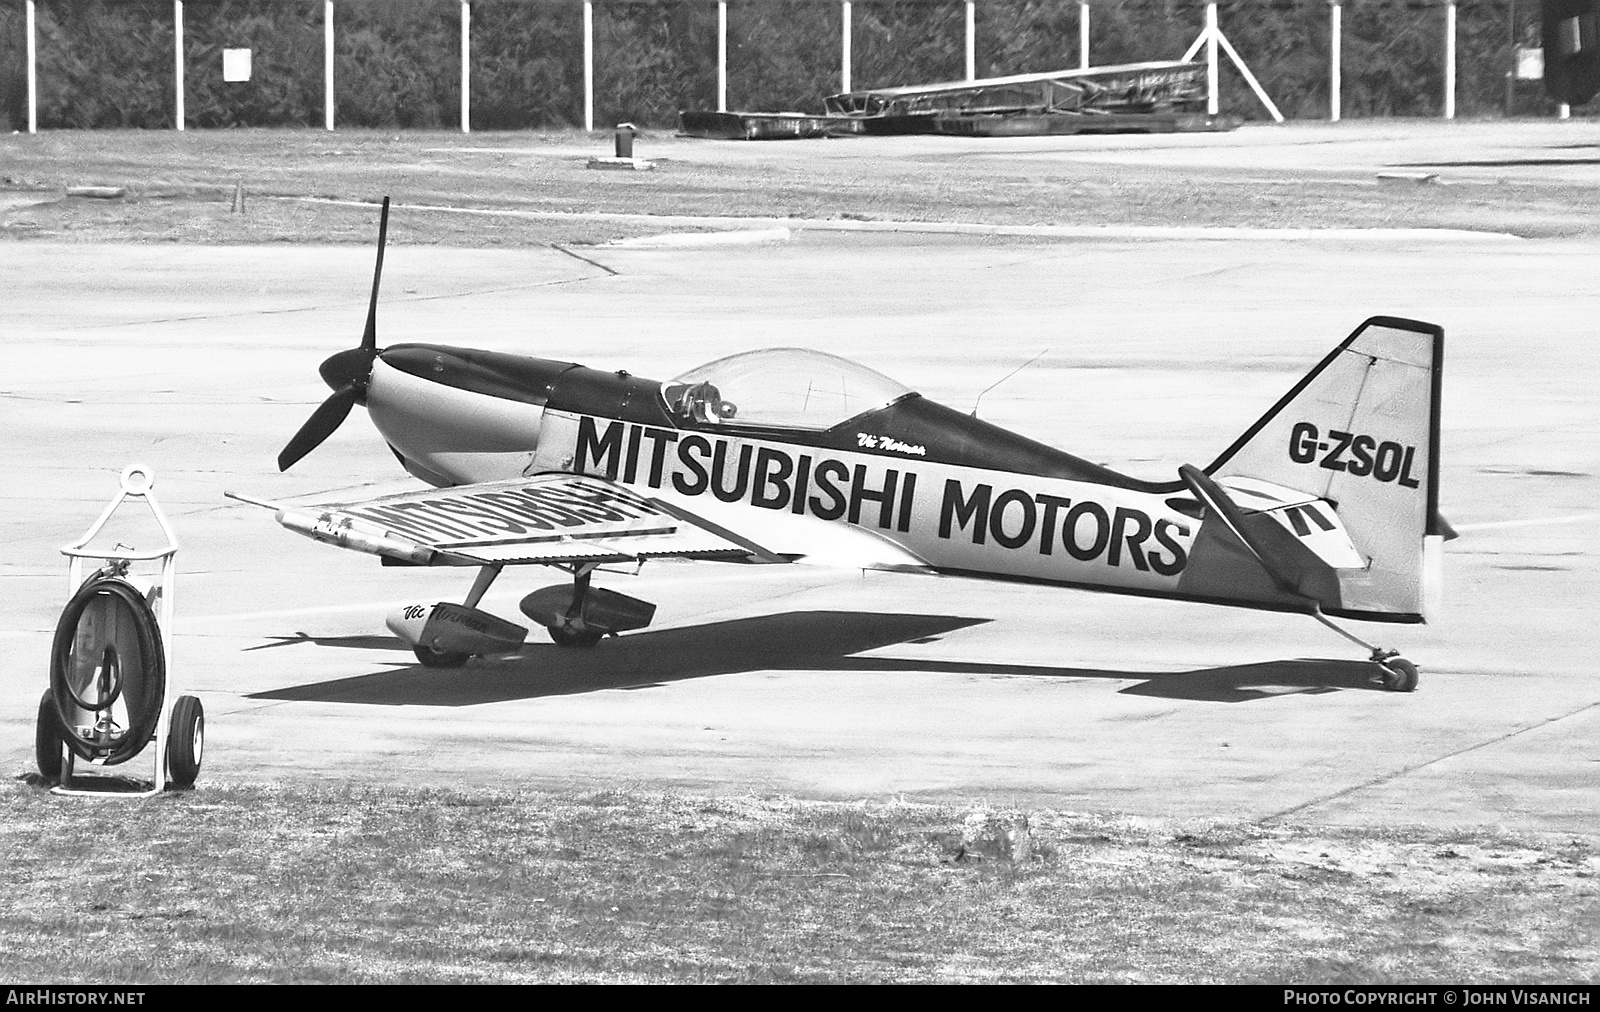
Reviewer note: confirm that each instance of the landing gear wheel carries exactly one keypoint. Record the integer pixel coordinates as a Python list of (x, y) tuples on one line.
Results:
[(567, 638), (1399, 674), (47, 738), (432, 658), (186, 741)]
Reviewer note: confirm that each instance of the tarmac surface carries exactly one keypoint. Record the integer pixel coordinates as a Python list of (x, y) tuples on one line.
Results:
[(201, 362)]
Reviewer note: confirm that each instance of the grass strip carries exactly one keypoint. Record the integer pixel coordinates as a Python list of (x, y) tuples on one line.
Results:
[(366, 884), (181, 188)]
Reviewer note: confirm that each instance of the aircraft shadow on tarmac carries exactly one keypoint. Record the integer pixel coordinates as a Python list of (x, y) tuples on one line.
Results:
[(372, 642), (806, 641)]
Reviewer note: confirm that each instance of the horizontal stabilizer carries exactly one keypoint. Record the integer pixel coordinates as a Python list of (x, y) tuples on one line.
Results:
[(1293, 566), (1313, 521)]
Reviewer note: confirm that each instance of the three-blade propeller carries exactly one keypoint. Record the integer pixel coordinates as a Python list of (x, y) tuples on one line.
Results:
[(347, 372)]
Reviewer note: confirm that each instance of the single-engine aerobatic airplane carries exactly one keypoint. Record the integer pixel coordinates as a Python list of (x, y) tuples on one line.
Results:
[(1328, 505)]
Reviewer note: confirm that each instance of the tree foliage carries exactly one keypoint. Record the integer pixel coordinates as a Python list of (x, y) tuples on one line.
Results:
[(13, 69), (285, 86), (782, 55), (109, 63)]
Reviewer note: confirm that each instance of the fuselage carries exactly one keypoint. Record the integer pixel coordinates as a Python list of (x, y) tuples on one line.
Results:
[(905, 484)]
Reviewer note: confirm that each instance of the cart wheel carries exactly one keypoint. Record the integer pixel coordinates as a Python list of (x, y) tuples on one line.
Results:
[(47, 738), (186, 741)]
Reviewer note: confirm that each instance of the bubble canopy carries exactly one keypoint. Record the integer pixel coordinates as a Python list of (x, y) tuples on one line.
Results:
[(789, 388)]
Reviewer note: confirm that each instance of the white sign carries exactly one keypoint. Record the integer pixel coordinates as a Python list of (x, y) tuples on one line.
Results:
[(1530, 64), (236, 64)]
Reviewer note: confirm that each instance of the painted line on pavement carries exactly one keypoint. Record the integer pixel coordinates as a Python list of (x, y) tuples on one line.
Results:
[(1536, 522)]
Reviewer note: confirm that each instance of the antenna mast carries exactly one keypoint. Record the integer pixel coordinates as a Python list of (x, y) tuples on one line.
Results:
[(1002, 379)]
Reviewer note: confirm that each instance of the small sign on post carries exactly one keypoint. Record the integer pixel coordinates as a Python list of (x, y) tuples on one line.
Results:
[(236, 64), (1530, 64)]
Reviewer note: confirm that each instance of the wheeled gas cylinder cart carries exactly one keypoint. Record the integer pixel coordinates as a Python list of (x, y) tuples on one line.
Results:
[(109, 664)]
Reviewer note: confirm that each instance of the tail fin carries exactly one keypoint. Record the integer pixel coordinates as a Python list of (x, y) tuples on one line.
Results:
[(1360, 431)]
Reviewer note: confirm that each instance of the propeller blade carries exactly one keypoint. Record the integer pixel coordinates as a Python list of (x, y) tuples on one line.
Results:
[(369, 337), (347, 372), (330, 414)]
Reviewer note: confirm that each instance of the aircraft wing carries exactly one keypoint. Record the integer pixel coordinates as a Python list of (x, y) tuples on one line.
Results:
[(545, 519)]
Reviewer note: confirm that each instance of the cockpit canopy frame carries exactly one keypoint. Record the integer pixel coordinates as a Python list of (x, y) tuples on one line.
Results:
[(779, 388)]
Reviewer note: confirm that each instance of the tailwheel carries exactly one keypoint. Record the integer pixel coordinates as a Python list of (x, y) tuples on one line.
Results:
[(563, 637), (1396, 673), (1389, 669), (432, 658)]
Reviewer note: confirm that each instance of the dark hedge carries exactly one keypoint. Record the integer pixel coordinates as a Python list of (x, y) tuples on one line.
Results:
[(397, 62)]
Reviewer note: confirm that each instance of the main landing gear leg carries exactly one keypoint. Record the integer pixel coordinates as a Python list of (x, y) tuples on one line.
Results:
[(481, 585), (432, 658), (573, 632), (1393, 672)]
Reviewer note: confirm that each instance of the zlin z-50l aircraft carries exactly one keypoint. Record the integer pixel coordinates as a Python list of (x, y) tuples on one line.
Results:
[(1328, 505)]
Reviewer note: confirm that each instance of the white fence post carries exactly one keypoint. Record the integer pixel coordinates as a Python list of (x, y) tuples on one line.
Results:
[(1249, 78), (1335, 72), (327, 64), (1211, 59), (844, 47), (177, 61), (588, 64), (466, 67), (1450, 60), (33, 75), (722, 55), (1083, 36), (972, 42), (1211, 38)]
